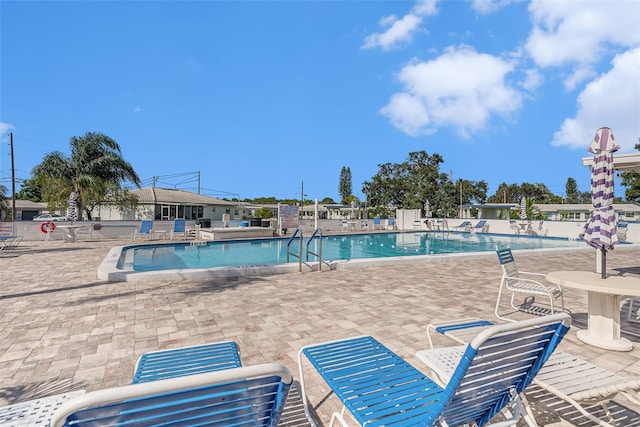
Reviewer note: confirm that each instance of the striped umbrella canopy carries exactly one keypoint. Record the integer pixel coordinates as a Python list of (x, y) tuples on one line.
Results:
[(600, 231), (72, 213), (523, 208)]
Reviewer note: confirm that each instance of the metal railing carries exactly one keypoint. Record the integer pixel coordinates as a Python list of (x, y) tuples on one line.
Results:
[(298, 234), (317, 233)]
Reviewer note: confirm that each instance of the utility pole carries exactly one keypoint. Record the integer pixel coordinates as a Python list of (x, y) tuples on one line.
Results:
[(13, 185), (301, 197), (460, 198)]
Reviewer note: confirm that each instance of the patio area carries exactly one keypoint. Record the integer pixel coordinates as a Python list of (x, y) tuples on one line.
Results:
[(62, 329)]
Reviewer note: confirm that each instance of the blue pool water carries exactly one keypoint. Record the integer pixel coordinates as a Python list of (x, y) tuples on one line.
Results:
[(186, 255)]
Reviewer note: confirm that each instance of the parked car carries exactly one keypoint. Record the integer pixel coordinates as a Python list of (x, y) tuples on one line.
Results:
[(49, 217)]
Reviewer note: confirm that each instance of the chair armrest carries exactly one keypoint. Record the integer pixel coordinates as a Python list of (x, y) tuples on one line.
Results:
[(533, 274)]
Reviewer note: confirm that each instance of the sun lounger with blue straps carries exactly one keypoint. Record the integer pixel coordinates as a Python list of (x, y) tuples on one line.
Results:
[(182, 361), (250, 395), (381, 389), (576, 381)]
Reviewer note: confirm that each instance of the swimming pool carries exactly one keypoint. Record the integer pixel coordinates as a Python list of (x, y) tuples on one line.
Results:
[(268, 256)]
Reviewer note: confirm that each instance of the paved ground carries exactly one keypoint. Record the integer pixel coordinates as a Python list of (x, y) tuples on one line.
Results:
[(62, 329)]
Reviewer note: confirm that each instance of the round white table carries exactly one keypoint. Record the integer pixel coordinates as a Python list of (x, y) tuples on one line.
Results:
[(603, 306)]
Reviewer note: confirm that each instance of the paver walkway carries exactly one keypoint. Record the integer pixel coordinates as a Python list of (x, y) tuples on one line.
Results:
[(62, 329)]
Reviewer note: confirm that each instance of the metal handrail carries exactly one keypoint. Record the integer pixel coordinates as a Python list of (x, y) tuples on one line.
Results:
[(316, 233), (299, 254)]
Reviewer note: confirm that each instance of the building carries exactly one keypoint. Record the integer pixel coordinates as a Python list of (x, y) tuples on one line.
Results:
[(167, 204)]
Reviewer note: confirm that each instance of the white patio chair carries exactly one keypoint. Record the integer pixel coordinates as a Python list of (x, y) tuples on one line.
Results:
[(576, 381), (513, 281)]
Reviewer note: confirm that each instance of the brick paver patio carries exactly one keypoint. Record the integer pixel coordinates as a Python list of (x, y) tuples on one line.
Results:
[(63, 329)]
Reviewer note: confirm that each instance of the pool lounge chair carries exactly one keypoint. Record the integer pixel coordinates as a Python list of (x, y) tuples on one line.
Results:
[(146, 229), (391, 223), (181, 361), (179, 228), (376, 223), (480, 227), (380, 388), (522, 283), (9, 241), (254, 395), (463, 226), (577, 382)]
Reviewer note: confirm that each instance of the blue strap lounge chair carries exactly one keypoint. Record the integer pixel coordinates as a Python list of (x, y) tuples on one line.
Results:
[(464, 226), (391, 223), (251, 395), (376, 223), (481, 226), (576, 381), (179, 228), (146, 229), (381, 389), (183, 361)]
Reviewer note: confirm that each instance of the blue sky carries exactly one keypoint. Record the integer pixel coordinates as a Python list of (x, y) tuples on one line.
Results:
[(261, 96)]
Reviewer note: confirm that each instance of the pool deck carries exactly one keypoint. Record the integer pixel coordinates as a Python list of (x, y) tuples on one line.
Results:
[(62, 328)]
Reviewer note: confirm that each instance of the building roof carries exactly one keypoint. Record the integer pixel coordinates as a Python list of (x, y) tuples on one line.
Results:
[(583, 207), (27, 204), (175, 196)]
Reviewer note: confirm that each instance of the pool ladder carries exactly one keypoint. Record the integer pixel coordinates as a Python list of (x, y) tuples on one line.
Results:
[(317, 234)]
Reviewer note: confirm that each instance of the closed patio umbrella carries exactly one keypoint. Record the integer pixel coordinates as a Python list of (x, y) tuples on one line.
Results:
[(600, 230), (523, 208), (72, 214)]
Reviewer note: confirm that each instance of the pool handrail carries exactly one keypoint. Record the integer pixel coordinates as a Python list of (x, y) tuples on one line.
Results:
[(319, 254), (299, 254)]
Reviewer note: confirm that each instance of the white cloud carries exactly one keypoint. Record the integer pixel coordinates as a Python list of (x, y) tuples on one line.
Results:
[(485, 7), (443, 92), (533, 80), (612, 100), (5, 127), (579, 75), (400, 31), (580, 31)]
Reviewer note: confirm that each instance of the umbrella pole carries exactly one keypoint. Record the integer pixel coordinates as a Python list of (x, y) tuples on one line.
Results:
[(604, 263)]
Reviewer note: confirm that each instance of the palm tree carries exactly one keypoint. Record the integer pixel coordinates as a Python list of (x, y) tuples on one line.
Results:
[(95, 160)]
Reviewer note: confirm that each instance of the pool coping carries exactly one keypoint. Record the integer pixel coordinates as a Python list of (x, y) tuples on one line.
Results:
[(109, 271)]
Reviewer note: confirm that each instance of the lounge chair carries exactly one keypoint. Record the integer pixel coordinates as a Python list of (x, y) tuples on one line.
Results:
[(364, 225), (481, 226), (417, 224), (176, 362), (463, 226), (380, 388), (9, 241), (376, 223), (391, 223), (513, 281), (146, 229), (513, 225), (254, 395), (179, 228), (580, 383), (621, 231)]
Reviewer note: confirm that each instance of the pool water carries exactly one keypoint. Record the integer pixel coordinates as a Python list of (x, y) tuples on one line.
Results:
[(192, 255)]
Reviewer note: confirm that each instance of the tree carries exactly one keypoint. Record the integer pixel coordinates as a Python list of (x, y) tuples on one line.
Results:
[(344, 187), (94, 168), (410, 184), (29, 190), (631, 180), (4, 206), (571, 191)]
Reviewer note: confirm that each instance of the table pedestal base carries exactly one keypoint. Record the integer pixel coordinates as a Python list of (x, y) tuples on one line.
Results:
[(621, 344), (604, 323)]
